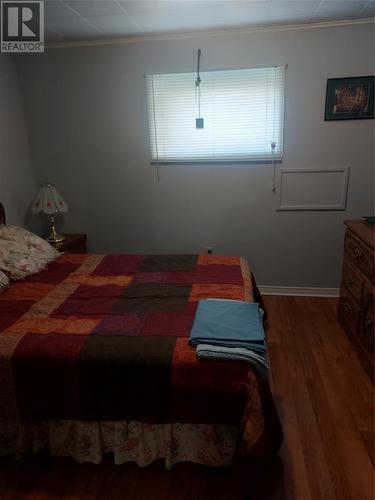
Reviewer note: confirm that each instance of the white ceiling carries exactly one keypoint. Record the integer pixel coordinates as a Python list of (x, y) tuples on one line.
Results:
[(68, 20)]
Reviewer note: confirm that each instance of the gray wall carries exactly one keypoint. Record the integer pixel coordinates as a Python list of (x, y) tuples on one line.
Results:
[(86, 112), (17, 181)]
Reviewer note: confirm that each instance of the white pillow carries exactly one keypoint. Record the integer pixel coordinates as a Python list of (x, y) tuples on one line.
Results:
[(23, 253)]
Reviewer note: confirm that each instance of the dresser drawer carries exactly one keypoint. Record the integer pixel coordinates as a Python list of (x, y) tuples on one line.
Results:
[(352, 281), (366, 331), (348, 310), (360, 255)]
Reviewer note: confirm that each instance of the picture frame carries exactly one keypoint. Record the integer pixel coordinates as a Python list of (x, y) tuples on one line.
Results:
[(350, 98)]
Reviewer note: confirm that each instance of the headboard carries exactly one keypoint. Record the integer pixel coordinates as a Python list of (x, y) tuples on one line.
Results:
[(2, 214)]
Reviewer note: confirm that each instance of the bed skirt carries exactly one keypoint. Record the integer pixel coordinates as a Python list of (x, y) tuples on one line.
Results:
[(129, 441)]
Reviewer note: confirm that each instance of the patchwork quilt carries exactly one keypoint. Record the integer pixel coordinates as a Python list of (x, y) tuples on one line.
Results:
[(105, 337)]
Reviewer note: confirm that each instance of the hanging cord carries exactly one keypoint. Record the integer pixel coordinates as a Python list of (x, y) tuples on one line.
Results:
[(156, 136), (198, 84), (273, 146), (198, 80), (273, 143)]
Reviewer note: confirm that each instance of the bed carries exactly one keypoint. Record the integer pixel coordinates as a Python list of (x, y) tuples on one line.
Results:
[(95, 358)]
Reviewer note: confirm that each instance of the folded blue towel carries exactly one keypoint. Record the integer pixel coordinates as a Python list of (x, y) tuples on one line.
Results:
[(228, 323), (233, 353)]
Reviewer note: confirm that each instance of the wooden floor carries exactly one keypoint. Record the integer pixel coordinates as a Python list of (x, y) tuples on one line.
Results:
[(325, 401)]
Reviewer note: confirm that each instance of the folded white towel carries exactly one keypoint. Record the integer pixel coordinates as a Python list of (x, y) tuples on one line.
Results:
[(233, 353)]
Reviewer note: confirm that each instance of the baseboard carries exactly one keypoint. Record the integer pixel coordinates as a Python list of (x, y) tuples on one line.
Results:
[(301, 291)]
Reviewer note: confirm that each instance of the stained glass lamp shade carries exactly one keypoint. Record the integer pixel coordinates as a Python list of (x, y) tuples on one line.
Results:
[(48, 201)]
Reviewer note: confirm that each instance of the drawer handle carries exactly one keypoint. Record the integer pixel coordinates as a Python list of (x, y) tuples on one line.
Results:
[(369, 321), (347, 307), (358, 254), (349, 281)]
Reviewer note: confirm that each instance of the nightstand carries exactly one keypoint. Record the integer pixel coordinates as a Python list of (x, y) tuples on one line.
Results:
[(74, 243)]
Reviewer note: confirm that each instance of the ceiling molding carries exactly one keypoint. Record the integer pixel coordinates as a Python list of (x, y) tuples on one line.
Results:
[(198, 34)]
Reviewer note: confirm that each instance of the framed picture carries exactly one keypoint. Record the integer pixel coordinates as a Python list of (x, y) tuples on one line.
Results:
[(350, 98)]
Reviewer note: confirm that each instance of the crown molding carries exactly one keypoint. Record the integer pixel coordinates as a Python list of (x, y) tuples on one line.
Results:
[(198, 34)]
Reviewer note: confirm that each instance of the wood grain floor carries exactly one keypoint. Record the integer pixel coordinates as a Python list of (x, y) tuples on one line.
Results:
[(325, 401)]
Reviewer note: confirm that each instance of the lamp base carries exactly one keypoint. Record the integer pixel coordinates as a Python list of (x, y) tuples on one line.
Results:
[(54, 237)]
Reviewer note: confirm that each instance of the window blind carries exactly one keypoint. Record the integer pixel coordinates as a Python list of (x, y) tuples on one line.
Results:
[(243, 112)]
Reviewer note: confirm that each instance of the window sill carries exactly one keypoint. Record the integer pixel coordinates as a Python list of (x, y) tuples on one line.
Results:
[(216, 162)]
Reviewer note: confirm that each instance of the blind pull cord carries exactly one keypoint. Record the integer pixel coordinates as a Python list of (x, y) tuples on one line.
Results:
[(273, 143), (273, 146), (155, 133), (199, 122)]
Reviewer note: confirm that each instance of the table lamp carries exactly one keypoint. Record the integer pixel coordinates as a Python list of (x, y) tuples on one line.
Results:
[(49, 202)]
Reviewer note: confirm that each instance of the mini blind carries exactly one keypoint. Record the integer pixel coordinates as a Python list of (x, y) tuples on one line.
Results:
[(243, 112)]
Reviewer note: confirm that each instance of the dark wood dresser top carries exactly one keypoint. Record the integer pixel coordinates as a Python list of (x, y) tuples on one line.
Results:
[(363, 230)]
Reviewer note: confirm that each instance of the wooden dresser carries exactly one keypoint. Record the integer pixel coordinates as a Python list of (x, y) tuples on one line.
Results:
[(356, 306)]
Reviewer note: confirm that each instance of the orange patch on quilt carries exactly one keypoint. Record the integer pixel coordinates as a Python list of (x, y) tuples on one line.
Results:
[(184, 361), (46, 305), (223, 260), (248, 285), (213, 291), (72, 258), (90, 263), (84, 279), (188, 370), (27, 291), (70, 325)]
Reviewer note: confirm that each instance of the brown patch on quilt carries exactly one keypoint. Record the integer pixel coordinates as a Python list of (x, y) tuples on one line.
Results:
[(126, 377), (169, 263), (147, 297)]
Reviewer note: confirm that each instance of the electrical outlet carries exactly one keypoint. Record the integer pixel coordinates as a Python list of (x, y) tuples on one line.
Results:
[(209, 250)]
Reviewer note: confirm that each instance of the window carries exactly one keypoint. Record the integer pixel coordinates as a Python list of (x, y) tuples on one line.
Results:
[(243, 112)]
